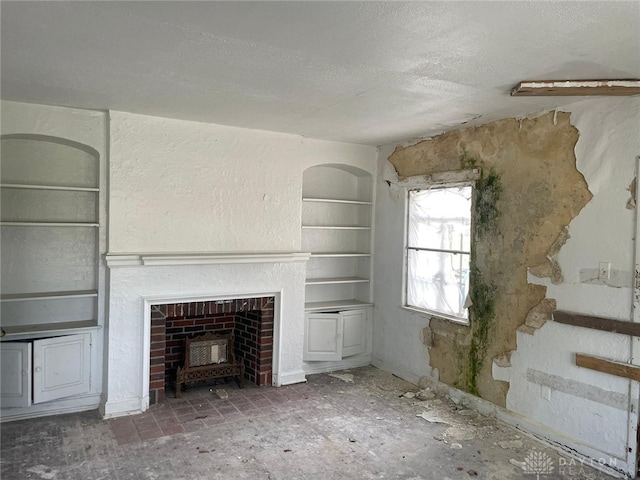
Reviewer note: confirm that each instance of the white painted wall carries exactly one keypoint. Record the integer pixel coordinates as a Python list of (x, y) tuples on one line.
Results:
[(189, 187), (396, 331), (603, 231), (178, 186)]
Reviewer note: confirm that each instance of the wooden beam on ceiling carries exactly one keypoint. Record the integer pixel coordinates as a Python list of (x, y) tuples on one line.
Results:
[(559, 88)]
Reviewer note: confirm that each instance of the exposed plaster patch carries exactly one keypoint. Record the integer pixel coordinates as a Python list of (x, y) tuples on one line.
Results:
[(542, 191), (503, 360), (390, 176), (551, 268), (617, 278), (578, 389), (426, 337), (631, 203), (540, 314)]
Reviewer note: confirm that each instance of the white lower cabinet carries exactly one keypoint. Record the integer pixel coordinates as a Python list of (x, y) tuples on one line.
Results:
[(39, 371), (15, 382), (333, 336)]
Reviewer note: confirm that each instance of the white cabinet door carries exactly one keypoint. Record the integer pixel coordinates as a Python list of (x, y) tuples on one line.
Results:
[(15, 383), (354, 337), (322, 337), (61, 367)]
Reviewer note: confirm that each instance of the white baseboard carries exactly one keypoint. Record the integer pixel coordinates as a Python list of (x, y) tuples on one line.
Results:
[(395, 370), (289, 378), (583, 454), (119, 408), (56, 407), (344, 364)]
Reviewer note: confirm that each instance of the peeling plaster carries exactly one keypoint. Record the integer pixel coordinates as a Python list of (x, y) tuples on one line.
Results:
[(631, 203), (551, 268), (426, 337), (503, 360), (542, 192), (540, 314)]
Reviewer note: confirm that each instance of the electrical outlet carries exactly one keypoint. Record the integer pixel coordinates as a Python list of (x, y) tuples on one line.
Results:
[(604, 272), (545, 392)]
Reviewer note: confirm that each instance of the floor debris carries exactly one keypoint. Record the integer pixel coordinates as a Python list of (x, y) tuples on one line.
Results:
[(222, 394), (510, 444), (425, 394), (345, 377), (431, 417), (249, 432)]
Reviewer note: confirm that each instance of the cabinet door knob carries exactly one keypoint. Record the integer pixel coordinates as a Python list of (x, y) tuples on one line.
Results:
[(38, 369)]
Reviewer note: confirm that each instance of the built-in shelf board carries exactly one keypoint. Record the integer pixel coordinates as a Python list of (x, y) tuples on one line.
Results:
[(50, 224), (340, 254), (336, 200), (611, 367), (334, 227), (49, 187), (335, 305), (18, 332), (334, 280), (20, 297)]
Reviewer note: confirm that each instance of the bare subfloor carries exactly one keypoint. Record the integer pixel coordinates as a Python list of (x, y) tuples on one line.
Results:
[(355, 424)]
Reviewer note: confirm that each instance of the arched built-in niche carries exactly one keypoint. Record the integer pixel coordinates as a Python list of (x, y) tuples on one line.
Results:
[(50, 233), (336, 229), (337, 207)]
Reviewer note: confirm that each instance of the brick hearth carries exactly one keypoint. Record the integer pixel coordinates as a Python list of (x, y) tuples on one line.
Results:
[(249, 319)]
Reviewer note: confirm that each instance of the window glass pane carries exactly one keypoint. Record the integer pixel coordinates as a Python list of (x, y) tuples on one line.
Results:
[(438, 282), (440, 218)]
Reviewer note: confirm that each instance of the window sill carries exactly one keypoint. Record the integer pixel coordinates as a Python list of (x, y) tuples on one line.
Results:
[(428, 313)]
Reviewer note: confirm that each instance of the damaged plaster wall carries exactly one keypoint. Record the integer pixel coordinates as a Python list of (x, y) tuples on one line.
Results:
[(545, 383), (540, 192), (565, 180)]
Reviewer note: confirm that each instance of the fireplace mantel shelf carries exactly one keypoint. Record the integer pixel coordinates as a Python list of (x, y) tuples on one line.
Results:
[(165, 259)]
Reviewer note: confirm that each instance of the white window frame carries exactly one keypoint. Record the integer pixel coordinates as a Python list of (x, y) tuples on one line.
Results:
[(457, 178)]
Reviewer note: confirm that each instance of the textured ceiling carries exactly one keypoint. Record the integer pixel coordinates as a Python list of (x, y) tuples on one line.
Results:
[(372, 72)]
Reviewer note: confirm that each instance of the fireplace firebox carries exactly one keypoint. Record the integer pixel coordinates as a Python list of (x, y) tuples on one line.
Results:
[(250, 320)]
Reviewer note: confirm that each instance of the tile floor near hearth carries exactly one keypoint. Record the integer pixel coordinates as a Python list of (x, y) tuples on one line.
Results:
[(203, 406), (354, 425)]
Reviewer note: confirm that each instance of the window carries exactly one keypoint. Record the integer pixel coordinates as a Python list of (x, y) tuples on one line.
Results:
[(438, 251)]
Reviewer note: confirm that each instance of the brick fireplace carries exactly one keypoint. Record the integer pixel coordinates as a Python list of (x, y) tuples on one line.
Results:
[(251, 320)]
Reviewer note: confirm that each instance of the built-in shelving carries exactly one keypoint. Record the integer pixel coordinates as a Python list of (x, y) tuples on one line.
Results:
[(50, 235), (336, 230), (334, 280), (19, 297), (19, 332), (49, 224), (336, 200), (49, 187), (335, 305), (340, 254), (335, 227)]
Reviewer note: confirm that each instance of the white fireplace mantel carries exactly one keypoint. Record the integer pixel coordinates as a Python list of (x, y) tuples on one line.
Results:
[(138, 280), (160, 259)]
